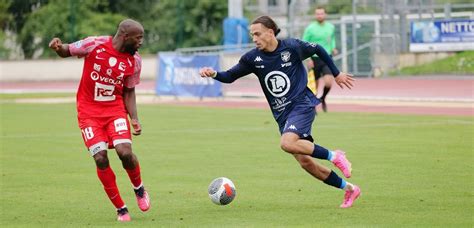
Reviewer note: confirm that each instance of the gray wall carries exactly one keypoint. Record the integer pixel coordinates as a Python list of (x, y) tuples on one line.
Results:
[(71, 68), (58, 69)]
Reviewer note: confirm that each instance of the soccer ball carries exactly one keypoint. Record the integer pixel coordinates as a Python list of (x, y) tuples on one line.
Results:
[(221, 191)]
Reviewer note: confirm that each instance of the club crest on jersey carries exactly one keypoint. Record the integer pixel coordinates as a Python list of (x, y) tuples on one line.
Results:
[(112, 61), (285, 56)]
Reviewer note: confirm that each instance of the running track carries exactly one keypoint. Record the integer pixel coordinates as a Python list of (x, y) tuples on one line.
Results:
[(438, 95)]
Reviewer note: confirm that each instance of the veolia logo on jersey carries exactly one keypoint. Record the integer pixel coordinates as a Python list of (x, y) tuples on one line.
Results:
[(277, 83)]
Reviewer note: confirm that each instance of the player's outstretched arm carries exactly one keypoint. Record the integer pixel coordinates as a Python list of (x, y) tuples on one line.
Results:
[(228, 76), (61, 49), (344, 79)]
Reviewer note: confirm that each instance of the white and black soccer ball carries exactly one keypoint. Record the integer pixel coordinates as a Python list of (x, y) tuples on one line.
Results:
[(222, 191)]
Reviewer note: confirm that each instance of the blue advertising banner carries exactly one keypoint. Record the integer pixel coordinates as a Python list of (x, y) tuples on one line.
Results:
[(178, 75), (442, 35)]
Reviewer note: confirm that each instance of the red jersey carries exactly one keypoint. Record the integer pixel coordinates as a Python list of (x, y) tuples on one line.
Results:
[(106, 71)]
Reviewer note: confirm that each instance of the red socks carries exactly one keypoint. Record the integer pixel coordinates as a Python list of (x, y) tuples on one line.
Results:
[(134, 175), (107, 177)]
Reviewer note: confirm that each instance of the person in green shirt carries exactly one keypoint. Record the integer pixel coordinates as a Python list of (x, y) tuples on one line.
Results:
[(323, 33)]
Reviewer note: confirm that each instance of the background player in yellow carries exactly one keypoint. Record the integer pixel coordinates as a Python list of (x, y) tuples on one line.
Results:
[(323, 33)]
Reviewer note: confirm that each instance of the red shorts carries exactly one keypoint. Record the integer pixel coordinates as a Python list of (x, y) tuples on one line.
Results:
[(100, 133)]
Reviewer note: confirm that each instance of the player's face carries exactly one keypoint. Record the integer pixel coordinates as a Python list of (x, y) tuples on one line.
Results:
[(261, 36), (320, 15), (133, 41)]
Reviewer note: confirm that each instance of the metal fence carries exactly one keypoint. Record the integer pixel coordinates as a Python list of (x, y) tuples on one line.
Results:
[(369, 44), (384, 53), (215, 49)]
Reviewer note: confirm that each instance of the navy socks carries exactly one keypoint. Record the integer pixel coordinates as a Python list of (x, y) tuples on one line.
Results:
[(334, 180), (320, 152)]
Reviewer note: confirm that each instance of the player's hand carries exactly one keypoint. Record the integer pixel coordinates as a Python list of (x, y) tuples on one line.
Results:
[(344, 79), (335, 52), (137, 127), (207, 72), (55, 44)]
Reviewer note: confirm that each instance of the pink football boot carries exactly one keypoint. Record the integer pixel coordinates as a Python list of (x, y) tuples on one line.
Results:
[(342, 163), (143, 200), (350, 197), (123, 215)]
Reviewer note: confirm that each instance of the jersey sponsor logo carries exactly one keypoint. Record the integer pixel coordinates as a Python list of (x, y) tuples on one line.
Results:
[(120, 125), (277, 83), (110, 80), (104, 92), (279, 104), (122, 66), (285, 56), (96, 67), (112, 61), (94, 75), (258, 59), (120, 77), (286, 64)]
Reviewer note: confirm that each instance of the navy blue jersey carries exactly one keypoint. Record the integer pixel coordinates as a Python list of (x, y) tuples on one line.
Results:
[(281, 73)]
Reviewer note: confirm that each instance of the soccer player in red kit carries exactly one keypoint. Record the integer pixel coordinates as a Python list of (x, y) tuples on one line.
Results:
[(105, 96)]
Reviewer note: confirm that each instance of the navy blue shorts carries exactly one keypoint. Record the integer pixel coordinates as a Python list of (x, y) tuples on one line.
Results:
[(299, 121)]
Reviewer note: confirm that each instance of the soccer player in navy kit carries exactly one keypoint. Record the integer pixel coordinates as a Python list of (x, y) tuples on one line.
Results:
[(283, 78)]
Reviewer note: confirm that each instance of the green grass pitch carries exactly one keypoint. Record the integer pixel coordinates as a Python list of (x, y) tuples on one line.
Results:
[(413, 170)]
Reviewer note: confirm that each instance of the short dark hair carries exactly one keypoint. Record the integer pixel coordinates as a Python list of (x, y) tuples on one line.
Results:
[(320, 7), (268, 22)]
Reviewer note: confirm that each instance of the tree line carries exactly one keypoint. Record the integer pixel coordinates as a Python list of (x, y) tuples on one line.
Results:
[(28, 25)]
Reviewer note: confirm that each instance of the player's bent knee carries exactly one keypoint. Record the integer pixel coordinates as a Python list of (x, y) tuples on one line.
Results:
[(101, 159), (126, 156), (288, 142), (124, 151), (287, 146), (123, 148)]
